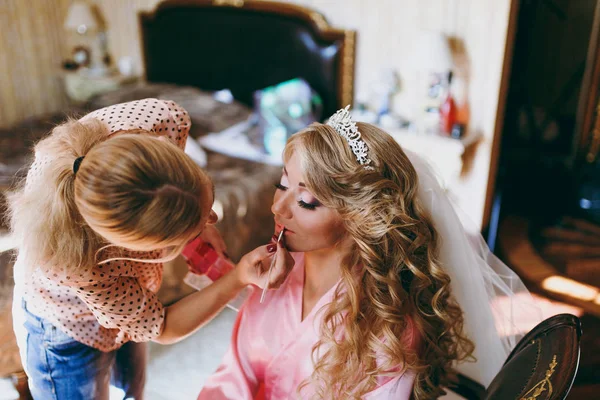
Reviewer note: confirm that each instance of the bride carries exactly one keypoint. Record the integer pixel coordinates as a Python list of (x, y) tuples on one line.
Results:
[(388, 294)]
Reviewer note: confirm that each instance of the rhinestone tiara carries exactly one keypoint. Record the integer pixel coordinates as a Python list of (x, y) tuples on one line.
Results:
[(342, 122)]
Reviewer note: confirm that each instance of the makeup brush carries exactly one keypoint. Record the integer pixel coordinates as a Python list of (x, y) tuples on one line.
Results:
[(266, 286)]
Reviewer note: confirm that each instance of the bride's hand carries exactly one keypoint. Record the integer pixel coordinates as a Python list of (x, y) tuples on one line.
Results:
[(253, 268)]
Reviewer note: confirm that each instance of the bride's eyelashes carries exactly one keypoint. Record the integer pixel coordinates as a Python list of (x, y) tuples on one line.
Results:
[(307, 206), (301, 203)]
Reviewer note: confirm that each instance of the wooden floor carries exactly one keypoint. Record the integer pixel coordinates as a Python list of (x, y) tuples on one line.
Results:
[(569, 248), (572, 246)]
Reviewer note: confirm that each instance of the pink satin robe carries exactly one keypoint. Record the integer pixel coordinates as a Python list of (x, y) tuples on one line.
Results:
[(270, 352)]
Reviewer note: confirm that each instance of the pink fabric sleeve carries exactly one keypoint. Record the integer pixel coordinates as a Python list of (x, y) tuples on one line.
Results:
[(399, 388), (234, 379)]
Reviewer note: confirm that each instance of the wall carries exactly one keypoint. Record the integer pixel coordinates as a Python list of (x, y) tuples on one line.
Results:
[(32, 37), (31, 51)]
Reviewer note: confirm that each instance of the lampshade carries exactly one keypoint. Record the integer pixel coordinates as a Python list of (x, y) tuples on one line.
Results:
[(82, 17), (432, 52)]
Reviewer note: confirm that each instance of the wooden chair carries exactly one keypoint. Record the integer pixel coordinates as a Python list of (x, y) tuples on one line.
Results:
[(541, 367)]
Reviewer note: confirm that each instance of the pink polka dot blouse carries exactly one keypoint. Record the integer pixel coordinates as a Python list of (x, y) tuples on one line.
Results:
[(114, 302)]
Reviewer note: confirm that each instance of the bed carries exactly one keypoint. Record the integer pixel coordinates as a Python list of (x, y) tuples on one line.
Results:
[(245, 46)]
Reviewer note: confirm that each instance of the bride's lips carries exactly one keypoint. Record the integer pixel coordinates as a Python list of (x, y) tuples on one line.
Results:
[(279, 228)]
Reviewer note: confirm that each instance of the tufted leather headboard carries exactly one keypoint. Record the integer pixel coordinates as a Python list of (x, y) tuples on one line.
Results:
[(245, 46)]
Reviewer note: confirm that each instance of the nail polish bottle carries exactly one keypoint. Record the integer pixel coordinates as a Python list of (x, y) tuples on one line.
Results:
[(448, 110)]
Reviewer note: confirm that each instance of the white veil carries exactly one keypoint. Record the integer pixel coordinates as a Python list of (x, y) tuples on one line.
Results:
[(490, 294)]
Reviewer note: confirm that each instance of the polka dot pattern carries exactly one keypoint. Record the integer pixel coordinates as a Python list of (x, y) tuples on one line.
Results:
[(114, 302), (163, 117)]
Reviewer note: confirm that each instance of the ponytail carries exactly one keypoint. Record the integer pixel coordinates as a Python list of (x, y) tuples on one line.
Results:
[(43, 216)]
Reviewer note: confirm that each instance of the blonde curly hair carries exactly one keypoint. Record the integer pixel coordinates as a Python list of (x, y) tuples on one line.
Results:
[(399, 286)]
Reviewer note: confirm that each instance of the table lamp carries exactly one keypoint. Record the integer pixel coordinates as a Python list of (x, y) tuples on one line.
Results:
[(85, 21)]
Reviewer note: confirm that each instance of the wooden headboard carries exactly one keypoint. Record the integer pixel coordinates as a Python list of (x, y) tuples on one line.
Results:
[(247, 45)]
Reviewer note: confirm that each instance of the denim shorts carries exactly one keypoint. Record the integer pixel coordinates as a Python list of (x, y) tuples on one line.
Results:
[(61, 368)]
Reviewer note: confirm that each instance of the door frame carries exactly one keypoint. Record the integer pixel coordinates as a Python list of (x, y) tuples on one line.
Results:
[(586, 142)]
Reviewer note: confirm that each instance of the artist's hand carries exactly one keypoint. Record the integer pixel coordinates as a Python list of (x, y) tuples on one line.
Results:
[(211, 235), (253, 268)]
